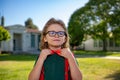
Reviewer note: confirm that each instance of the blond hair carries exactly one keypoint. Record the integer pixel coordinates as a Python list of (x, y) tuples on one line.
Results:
[(43, 44)]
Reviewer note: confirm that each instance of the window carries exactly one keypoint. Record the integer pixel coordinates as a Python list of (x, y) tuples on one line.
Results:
[(95, 43), (32, 40), (100, 43), (39, 42)]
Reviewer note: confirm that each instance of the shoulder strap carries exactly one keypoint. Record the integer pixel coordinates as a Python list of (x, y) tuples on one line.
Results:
[(42, 74), (66, 69)]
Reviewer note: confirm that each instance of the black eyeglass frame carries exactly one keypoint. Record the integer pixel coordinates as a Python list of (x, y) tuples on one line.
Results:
[(58, 33)]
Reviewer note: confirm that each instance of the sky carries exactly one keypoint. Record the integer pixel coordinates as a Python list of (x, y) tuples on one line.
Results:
[(40, 11)]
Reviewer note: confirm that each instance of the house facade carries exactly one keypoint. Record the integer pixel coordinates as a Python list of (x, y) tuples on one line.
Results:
[(22, 40), (97, 45)]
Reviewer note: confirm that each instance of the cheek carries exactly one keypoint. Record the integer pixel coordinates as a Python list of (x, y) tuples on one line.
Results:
[(49, 39), (63, 40)]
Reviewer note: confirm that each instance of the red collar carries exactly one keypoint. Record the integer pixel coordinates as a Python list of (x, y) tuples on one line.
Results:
[(56, 51)]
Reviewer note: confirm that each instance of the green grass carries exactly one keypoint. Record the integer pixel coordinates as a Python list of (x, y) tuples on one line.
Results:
[(96, 53), (99, 69), (17, 67)]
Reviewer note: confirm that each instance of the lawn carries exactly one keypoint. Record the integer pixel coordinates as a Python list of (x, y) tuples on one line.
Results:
[(17, 67), (95, 53), (99, 69)]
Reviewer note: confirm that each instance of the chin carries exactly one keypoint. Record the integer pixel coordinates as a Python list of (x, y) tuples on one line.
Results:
[(58, 45)]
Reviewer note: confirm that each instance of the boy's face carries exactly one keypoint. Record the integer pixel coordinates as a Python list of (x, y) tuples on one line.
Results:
[(55, 36)]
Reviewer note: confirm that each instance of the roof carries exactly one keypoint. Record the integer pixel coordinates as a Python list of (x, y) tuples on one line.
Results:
[(33, 31), (18, 25)]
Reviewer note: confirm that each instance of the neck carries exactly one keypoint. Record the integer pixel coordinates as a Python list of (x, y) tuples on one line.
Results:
[(55, 48)]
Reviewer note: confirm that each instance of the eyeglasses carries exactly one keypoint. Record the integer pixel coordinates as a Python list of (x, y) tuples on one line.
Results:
[(53, 33)]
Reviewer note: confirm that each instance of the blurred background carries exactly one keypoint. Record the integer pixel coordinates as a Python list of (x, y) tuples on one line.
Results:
[(93, 25)]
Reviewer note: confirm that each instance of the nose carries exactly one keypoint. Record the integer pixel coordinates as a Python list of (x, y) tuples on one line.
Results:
[(56, 35)]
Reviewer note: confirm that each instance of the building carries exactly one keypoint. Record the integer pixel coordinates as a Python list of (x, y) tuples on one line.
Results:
[(97, 45), (22, 40)]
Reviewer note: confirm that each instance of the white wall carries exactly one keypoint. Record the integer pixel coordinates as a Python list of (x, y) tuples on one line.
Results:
[(89, 45)]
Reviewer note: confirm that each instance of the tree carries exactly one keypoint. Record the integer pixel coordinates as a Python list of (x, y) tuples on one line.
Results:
[(29, 24), (104, 12), (98, 18), (77, 26), (4, 35), (116, 35)]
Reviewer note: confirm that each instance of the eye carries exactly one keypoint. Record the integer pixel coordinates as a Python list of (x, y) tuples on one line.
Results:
[(51, 33), (61, 33)]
